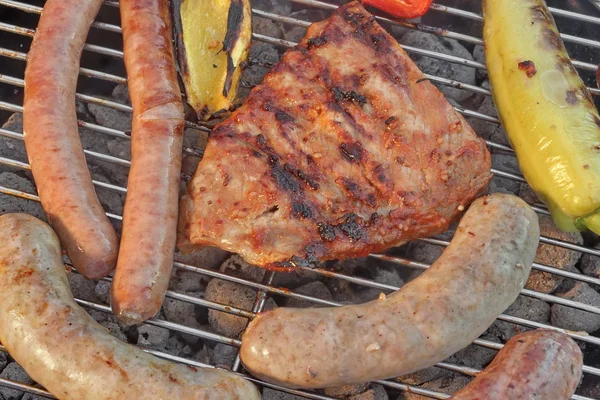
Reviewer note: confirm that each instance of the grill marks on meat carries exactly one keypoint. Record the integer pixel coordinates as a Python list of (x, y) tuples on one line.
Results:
[(338, 153)]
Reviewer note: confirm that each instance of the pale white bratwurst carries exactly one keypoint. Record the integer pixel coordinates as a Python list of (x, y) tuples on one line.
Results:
[(443, 310), (65, 350)]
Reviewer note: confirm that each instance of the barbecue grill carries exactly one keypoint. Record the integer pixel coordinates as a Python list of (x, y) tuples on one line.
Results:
[(581, 13)]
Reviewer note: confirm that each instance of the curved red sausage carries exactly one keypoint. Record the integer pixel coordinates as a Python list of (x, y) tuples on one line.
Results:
[(54, 148), (542, 364)]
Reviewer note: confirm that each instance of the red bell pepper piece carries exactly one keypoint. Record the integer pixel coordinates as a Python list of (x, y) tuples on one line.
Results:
[(401, 8)]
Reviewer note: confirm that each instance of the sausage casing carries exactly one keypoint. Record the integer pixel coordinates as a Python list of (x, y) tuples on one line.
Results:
[(440, 312), (64, 349), (151, 207), (54, 148), (542, 364)]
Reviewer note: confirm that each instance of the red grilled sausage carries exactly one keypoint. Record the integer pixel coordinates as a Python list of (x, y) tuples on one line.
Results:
[(65, 350), (53, 145), (150, 216), (542, 364)]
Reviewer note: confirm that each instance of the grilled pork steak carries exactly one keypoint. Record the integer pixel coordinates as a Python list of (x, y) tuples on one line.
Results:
[(343, 150)]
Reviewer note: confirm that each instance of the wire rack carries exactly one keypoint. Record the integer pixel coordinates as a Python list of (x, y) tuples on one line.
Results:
[(265, 288)]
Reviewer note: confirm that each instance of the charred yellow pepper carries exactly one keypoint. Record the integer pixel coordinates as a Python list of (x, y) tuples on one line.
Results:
[(546, 110)]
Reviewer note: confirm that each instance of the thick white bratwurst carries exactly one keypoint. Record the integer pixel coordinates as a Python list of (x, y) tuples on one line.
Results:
[(443, 310)]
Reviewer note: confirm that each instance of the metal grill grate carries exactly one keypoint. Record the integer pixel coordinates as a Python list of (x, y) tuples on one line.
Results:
[(266, 289)]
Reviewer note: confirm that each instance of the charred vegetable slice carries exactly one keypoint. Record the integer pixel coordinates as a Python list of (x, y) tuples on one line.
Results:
[(546, 110), (212, 40)]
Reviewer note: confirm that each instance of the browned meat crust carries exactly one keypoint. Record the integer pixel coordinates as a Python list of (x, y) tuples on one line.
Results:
[(343, 150)]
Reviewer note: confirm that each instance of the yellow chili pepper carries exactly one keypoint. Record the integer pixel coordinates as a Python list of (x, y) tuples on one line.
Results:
[(546, 110)]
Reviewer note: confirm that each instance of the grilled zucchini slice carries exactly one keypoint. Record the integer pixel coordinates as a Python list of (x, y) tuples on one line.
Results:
[(212, 41)]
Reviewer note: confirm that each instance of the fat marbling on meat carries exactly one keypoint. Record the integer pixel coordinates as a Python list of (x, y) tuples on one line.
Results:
[(344, 149)]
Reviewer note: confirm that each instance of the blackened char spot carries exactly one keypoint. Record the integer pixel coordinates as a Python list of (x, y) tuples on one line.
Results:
[(351, 151), (267, 106), (301, 175), (353, 18), (361, 22), (301, 210), (229, 76), (282, 116), (234, 20), (572, 97), (263, 144), (326, 231), (376, 39), (312, 253), (374, 218), (284, 179), (316, 41), (390, 120), (539, 13), (180, 53), (357, 192), (529, 67), (351, 95), (551, 40), (371, 200), (379, 172), (352, 228)]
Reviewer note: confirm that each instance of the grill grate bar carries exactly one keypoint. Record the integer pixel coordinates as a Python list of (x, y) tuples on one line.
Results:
[(30, 32), (101, 156), (595, 281), (361, 281), (195, 300), (125, 108), (104, 102), (234, 342), (225, 340), (419, 265), (259, 305), (276, 17), (237, 343), (476, 17), (556, 242), (527, 292), (25, 387), (34, 197), (17, 55), (444, 32), (428, 53), (21, 165), (29, 8)]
